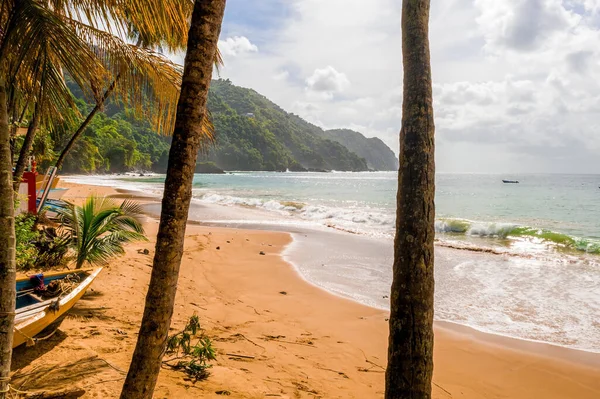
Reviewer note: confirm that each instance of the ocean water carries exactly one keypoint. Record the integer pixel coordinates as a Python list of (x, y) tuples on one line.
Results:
[(521, 260)]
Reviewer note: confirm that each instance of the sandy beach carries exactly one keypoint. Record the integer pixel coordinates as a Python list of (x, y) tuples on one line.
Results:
[(275, 334)]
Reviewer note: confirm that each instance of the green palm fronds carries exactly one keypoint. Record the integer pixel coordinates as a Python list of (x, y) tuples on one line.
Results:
[(98, 229)]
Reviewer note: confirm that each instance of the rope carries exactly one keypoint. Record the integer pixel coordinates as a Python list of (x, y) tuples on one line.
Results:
[(10, 388), (3, 380), (29, 341)]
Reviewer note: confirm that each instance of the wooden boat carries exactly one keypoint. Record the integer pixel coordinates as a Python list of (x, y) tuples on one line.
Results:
[(40, 180), (52, 207), (510, 181), (54, 193), (35, 312)]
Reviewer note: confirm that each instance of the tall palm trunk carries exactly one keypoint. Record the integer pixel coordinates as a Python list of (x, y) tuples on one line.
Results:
[(7, 247), (410, 351), (202, 44), (86, 122), (27, 144)]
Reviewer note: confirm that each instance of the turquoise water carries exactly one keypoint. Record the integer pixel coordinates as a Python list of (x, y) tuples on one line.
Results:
[(551, 211), (541, 213), (514, 259)]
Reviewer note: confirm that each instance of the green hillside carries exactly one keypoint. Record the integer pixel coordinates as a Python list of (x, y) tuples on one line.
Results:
[(252, 133)]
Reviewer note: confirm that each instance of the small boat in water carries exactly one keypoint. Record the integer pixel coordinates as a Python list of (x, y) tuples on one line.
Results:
[(510, 181), (44, 299)]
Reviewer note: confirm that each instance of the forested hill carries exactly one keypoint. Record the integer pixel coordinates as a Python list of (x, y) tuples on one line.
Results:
[(254, 133), (378, 155)]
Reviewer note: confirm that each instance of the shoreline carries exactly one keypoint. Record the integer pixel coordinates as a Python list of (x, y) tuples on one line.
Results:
[(329, 340), (510, 341)]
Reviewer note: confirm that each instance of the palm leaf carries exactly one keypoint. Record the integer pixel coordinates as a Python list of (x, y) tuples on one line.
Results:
[(98, 229), (156, 23)]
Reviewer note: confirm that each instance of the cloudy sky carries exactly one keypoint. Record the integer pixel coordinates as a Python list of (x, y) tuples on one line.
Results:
[(516, 82)]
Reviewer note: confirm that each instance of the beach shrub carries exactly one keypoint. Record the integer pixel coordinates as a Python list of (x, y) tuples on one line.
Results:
[(97, 230), (26, 235), (52, 249), (190, 358)]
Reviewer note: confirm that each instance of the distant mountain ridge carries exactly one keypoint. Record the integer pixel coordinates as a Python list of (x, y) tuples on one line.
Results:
[(377, 154), (253, 133)]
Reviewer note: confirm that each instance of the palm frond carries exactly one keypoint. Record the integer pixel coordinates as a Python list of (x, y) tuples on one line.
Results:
[(162, 23), (146, 81), (38, 30), (98, 229)]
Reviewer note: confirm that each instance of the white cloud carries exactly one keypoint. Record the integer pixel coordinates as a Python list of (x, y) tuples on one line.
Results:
[(327, 81), (237, 45), (283, 75), (515, 81), (522, 24)]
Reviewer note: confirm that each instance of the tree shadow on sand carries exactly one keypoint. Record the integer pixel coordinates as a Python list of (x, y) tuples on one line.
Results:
[(80, 373), (24, 355)]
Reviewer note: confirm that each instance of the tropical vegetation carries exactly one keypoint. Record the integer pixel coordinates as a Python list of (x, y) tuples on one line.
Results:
[(253, 133), (40, 41), (97, 230), (268, 138), (190, 351), (39, 247)]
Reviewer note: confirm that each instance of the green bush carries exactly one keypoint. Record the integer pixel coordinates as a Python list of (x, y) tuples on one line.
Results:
[(52, 249), (26, 237)]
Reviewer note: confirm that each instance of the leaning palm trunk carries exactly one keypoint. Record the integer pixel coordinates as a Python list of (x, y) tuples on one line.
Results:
[(187, 136), (7, 247), (26, 149), (410, 352), (85, 123), (27, 144)]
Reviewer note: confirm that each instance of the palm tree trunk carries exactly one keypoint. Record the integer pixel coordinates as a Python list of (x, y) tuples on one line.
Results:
[(7, 247), (202, 44), (27, 144), (86, 122), (410, 351)]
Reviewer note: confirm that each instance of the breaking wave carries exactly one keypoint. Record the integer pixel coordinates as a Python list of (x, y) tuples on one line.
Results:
[(356, 219), (515, 231)]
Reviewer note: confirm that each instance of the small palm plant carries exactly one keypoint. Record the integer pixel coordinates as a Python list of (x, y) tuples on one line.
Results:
[(97, 230)]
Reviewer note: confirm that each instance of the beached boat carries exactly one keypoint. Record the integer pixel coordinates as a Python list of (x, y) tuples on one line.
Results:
[(52, 207), (40, 181), (54, 193), (510, 181), (44, 299)]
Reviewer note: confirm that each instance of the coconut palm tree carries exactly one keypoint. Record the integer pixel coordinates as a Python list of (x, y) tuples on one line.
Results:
[(188, 137), (97, 230), (410, 352), (139, 77), (70, 32)]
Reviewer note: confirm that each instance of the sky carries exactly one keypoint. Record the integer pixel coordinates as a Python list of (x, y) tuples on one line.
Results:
[(516, 82)]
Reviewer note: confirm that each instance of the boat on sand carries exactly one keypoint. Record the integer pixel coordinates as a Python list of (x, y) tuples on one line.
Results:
[(44, 299)]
